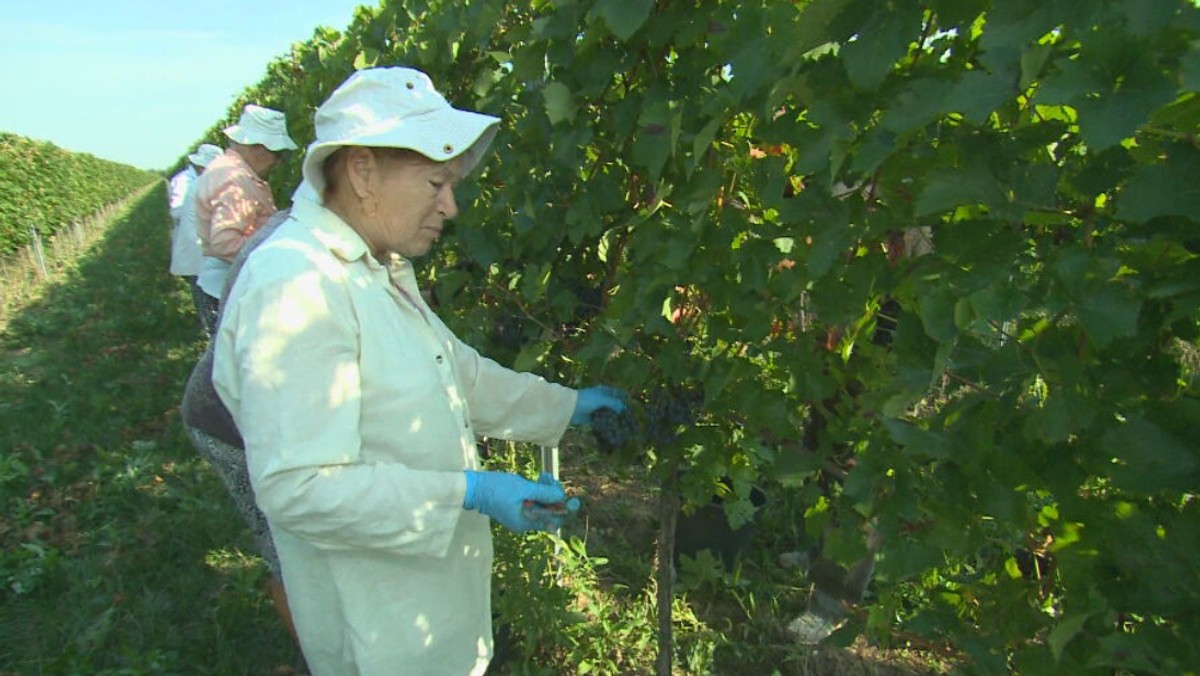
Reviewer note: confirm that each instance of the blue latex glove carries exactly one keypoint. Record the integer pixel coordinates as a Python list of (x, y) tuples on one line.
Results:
[(592, 398), (550, 516), (502, 497)]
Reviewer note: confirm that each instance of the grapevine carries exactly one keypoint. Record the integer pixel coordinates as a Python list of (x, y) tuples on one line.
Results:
[(1048, 149)]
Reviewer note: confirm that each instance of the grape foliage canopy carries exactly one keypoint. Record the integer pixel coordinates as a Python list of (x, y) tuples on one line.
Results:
[(726, 193)]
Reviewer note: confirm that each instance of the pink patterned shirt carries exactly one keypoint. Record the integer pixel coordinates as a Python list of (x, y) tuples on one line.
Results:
[(231, 203)]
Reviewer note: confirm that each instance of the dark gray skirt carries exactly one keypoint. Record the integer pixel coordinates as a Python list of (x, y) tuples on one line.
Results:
[(230, 464)]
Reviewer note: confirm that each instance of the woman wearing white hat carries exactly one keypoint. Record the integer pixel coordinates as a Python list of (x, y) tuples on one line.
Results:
[(232, 197), (186, 255), (360, 409)]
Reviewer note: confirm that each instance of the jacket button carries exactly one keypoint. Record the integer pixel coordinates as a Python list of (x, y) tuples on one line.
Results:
[(438, 359)]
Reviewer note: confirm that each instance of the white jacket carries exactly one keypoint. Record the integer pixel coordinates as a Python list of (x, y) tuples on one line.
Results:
[(185, 240), (360, 411), (177, 187)]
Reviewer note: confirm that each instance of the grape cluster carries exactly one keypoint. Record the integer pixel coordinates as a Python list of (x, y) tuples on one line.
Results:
[(671, 408), (614, 430), (509, 332), (665, 411)]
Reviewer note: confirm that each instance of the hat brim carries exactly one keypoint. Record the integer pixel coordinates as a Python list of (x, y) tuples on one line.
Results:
[(440, 135), (204, 154), (273, 142)]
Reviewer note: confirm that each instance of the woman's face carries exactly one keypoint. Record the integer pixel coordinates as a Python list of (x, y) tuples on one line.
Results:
[(415, 199), (260, 159)]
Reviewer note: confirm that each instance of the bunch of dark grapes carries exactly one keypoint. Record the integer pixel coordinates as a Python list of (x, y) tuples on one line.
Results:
[(669, 409), (614, 431), (591, 299), (509, 332)]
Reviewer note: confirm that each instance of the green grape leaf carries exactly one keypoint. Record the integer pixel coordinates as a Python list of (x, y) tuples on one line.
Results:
[(795, 468), (936, 308), (829, 242), (1108, 313), (560, 103), (1132, 653), (1064, 631), (1071, 81), (1149, 459), (1062, 414), (816, 23), (979, 93), (994, 305), (1033, 60), (1115, 116), (1189, 68), (624, 17), (882, 41), (1146, 18), (919, 443), (1114, 90), (581, 218), (704, 140), (481, 244), (957, 12), (1017, 22), (1168, 189), (753, 66), (918, 104), (529, 62), (367, 58), (946, 189), (656, 135)]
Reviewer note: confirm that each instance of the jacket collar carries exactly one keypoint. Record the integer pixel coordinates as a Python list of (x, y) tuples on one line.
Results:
[(329, 229)]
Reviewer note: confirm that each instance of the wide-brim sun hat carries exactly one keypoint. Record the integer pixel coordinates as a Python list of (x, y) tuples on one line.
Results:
[(396, 108), (204, 154), (262, 126)]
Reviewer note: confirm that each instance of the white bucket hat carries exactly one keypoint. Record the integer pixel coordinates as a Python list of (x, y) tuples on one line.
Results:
[(206, 153), (396, 108), (262, 126)]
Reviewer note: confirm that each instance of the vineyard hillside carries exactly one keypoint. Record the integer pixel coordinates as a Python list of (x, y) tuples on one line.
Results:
[(44, 188)]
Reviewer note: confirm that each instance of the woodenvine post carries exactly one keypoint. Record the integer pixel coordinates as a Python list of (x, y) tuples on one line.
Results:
[(38, 252), (668, 515)]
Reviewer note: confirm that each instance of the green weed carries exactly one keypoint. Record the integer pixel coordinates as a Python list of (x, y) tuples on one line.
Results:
[(111, 523)]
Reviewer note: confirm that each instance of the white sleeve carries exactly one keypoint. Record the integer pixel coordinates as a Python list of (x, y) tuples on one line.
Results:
[(176, 190), (508, 404), (286, 365)]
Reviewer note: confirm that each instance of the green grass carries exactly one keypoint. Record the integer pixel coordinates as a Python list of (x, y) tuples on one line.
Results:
[(120, 552)]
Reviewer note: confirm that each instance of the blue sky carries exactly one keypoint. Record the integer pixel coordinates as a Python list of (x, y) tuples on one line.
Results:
[(139, 81)]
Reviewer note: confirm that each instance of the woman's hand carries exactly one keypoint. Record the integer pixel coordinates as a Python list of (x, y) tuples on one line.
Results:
[(503, 497), (592, 399)]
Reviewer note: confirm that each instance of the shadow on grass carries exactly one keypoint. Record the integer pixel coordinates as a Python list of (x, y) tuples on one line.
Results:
[(119, 550)]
